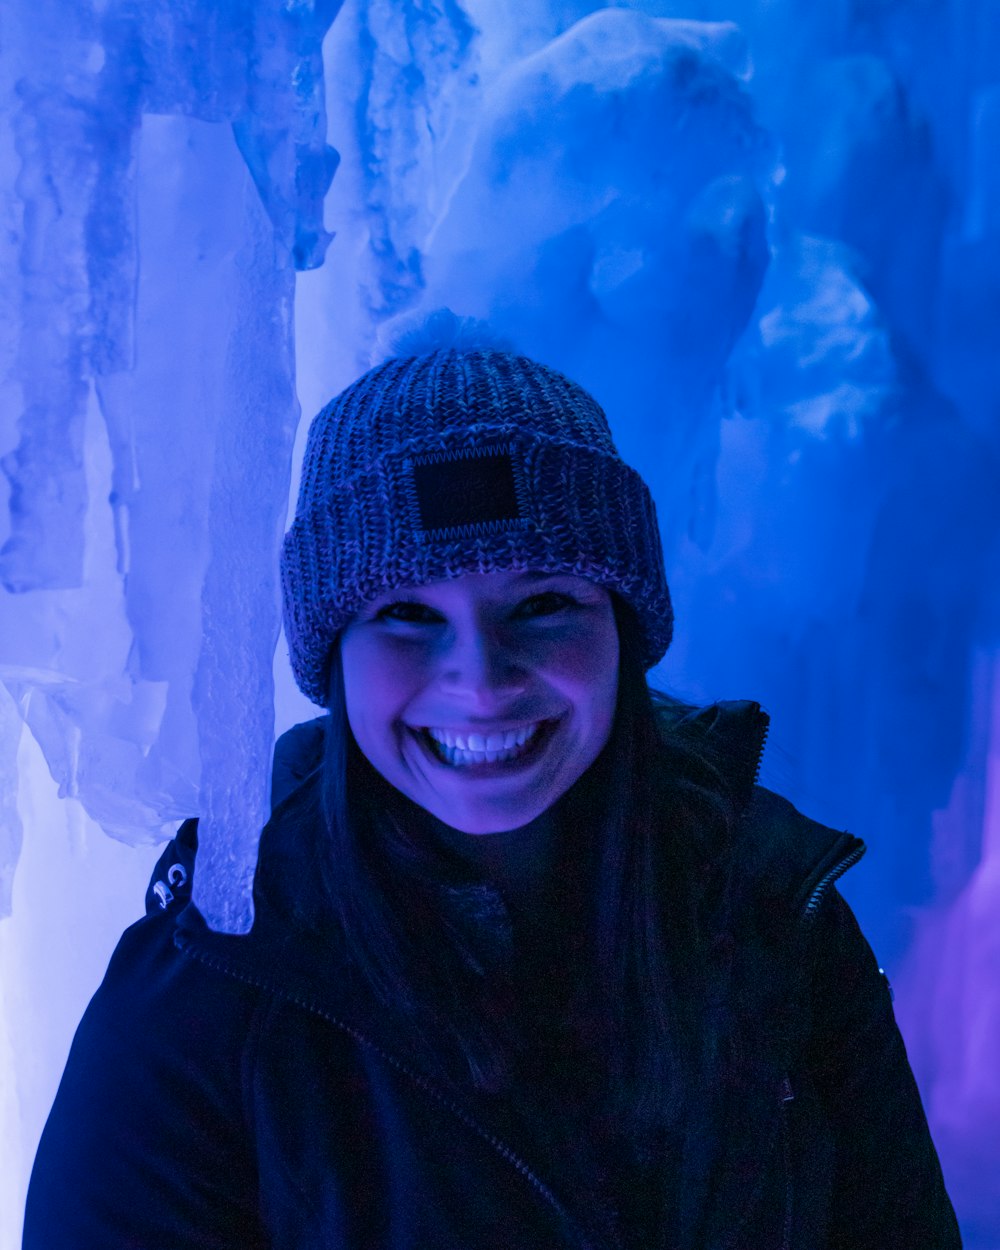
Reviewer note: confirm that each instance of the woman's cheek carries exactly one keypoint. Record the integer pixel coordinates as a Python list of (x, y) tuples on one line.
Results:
[(586, 654), (378, 671), (402, 664)]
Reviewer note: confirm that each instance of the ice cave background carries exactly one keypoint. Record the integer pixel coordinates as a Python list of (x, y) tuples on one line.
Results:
[(766, 233)]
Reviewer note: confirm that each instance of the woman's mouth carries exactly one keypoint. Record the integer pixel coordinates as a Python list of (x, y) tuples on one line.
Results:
[(477, 751)]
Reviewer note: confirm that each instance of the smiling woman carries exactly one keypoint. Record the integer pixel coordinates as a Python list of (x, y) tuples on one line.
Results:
[(536, 964), (485, 697)]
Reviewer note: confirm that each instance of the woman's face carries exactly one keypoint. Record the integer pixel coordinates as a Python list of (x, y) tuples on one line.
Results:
[(444, 681)]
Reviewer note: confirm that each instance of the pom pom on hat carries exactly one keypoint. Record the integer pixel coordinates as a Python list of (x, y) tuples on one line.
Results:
[(418, 333)]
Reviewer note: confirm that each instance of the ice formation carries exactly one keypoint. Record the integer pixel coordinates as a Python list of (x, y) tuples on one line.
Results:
[(200, 130), (766, 235)]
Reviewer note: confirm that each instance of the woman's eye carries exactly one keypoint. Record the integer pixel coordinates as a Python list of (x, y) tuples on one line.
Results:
[(551, 601), (404, 610)]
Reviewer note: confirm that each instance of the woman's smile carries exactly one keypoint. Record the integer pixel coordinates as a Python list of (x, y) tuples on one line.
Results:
[(477, 754)]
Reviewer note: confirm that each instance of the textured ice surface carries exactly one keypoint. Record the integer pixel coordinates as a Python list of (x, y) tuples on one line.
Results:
[(11, 831), (199, 130), (200, 516), (414, 105)]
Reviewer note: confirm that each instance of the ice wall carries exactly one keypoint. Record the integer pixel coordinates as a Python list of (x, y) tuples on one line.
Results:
[(766, 235), (165, 179)]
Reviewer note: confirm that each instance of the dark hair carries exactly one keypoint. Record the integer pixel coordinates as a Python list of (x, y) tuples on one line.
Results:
[(661, 886)]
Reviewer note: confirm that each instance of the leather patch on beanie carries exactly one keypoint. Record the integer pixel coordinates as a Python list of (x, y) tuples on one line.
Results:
[(465, 491)]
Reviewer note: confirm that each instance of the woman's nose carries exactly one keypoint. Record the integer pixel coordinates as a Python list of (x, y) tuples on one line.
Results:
[(478, 662)]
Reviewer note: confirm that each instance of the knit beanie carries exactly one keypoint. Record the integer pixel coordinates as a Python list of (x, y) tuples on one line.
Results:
[(462, 460)]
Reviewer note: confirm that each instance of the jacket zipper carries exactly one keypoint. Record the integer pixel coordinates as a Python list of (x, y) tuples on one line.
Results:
[(764, 721), (827, 880), (842, 865), (505, 1151), (838, 869)]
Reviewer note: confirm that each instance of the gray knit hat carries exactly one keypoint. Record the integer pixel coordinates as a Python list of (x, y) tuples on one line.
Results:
[(462, 461)]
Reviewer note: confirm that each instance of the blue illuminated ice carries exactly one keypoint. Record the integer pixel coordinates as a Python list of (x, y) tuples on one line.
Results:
[(196, 136)]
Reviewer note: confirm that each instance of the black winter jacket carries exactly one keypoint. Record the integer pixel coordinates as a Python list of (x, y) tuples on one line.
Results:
[(236, 1093)]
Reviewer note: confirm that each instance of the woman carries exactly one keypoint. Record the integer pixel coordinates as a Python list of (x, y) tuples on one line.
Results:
[(535, 962)]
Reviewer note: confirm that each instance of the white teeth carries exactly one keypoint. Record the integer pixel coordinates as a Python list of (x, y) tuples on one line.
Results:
[(488, 742), (477, 748)]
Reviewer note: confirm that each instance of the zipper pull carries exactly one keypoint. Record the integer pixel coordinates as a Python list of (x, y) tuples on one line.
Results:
[(787, 1093)]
